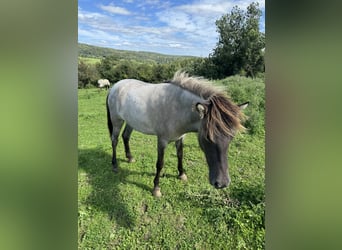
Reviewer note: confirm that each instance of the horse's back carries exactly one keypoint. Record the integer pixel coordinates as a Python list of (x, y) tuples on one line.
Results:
[(152, 108), (128, 100)]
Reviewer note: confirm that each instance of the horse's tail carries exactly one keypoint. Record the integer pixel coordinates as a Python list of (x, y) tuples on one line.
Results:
[(109, 120)]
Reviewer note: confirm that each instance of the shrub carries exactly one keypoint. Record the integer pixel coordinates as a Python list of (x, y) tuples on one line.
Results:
[(242, 89)]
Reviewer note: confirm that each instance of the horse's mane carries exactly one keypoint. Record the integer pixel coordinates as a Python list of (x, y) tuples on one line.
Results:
[(223, 116)]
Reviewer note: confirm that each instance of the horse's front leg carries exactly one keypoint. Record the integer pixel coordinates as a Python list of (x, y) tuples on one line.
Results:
[(160, 163), (179, 147)]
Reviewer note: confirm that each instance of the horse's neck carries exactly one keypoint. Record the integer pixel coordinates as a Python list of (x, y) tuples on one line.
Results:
[(193, 118)]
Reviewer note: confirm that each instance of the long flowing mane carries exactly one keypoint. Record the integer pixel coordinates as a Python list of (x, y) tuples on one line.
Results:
[(223, 116)]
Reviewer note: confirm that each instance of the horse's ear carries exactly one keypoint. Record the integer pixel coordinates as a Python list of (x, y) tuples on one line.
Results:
[(202, 109), (243, 105)]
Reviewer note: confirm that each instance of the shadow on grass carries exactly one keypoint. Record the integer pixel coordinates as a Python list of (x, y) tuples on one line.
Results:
[(105, 184)]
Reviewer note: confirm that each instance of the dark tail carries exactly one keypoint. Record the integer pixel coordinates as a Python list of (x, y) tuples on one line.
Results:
[(109, 120)]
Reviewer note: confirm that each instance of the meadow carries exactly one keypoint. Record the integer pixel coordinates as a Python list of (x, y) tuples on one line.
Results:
[(89, 60), (118, 211)]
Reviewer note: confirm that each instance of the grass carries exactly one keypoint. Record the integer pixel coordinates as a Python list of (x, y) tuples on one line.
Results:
[(89, 60), (118, 211)]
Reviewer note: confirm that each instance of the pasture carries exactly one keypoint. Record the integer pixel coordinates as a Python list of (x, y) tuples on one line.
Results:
[(89, 60), (118, 211)]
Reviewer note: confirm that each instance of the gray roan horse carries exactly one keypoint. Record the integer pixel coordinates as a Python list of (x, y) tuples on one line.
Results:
[(170, 110)]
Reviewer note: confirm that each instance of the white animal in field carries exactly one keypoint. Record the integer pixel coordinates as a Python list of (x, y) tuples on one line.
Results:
[(103, 83)]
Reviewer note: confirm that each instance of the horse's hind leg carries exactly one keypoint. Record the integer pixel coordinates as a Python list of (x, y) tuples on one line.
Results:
[(125, 136), (179, 147), (115, 136)]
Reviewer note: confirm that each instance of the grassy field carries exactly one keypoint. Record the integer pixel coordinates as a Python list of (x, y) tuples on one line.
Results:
[(118, 211), (90, 60)]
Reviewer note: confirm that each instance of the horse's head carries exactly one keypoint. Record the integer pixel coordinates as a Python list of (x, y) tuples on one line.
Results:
[(214, 140), (216, 155)]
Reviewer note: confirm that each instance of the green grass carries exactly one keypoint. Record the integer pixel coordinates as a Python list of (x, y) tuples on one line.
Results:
[(89, 60), (118, 211)]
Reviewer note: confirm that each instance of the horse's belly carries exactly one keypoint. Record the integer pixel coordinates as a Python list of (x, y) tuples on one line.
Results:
[(136, 117), (140, 125)]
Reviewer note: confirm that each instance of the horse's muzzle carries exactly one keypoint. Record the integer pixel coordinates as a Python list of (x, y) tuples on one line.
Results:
[(220, 183)]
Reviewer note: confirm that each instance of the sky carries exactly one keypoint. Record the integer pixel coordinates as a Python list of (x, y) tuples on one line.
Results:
[(178, 27)]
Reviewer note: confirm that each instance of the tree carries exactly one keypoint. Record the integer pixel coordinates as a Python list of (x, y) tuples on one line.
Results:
[(105, 68), (145, 72), (124, 69), (87, 74), (240, 44), (161, 73)]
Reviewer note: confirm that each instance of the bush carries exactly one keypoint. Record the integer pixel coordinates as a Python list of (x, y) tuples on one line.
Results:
[(87, 74), (242, 89)]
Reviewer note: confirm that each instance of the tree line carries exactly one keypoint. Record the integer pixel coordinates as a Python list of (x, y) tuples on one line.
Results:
[(239, 51)]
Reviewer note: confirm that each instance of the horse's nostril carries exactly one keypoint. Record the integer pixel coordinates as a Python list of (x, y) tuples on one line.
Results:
[(219, 185)]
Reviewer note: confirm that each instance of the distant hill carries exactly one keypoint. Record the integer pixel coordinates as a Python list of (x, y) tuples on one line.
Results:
[(90, 51)]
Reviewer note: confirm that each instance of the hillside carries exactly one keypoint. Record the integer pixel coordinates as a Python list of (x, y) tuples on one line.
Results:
[(90, 51)]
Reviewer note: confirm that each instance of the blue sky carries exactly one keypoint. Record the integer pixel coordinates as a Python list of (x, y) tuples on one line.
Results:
[(177, 27)]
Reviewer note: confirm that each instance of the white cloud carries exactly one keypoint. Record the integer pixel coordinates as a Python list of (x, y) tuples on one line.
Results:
[(175, 45), (187, 29), (153, 3), (99, 35), (111, 8), (197, 27), (93, 20), (86, 16), (196, 21), (209, 8)]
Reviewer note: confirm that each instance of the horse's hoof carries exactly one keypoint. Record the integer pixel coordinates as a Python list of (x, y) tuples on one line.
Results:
[(131, 160), (156, 192), (183, 177)]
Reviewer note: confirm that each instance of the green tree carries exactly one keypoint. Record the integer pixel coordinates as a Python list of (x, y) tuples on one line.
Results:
[(239, 49), (203, 67), (105, 68), (161, 73), (145, 72), (124, 69), (87, 74)]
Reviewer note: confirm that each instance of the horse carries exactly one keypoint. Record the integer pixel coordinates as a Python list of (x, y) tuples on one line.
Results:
[(171, 109), (103, 83)]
